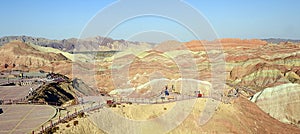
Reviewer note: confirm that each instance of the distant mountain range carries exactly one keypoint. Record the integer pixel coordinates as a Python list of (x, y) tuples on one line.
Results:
[(76, 45), (278, 40), (97, 43)]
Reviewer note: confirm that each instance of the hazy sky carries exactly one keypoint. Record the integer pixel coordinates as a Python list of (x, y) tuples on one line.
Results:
[(58, 19)]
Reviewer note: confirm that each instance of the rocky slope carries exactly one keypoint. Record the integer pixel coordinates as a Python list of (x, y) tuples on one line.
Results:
[(250, 65), (84, 89), (240, 117), (281, 102), (266, 66), (21, 56), (57, 93), (17, 55)]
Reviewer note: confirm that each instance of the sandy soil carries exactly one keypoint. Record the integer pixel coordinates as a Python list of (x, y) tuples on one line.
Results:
[(84, 126), (238, 117)]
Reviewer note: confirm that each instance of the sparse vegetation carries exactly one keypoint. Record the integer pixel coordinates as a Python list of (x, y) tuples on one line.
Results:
[(75, 122), (80, 115), (6, 65)]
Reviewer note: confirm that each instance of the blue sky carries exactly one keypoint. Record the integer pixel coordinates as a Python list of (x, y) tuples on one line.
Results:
[(59, 19)]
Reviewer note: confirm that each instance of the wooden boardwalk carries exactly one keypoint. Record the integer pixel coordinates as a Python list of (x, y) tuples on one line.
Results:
[(51, 124)]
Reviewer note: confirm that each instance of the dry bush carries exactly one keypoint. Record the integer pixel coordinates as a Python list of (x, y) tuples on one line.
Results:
[(75, 123), (114, 105), (80, 115)]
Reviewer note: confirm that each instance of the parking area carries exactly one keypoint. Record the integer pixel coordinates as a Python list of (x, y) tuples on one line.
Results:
[(15, 92), (24, 118)]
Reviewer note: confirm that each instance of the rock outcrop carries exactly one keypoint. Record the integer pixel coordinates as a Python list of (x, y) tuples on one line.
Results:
[(80, 86), (54, 93)]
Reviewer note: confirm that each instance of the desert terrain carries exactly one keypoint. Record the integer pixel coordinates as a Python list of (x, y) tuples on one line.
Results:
[(246, 86)]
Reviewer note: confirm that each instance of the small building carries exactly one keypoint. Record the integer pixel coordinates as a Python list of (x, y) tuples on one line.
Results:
[(34, 75)]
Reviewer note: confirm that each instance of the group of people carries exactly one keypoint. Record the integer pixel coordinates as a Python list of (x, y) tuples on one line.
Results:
[(166, 90)]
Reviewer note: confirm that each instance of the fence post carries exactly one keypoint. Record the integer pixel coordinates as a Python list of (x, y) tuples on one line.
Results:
[(59, 119), (42, 129), (51, 124)]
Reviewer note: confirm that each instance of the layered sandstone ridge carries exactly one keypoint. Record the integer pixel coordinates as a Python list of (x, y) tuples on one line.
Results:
[(252, 66), (17, 55), (224, 44), (281, 102), (266, 66)]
